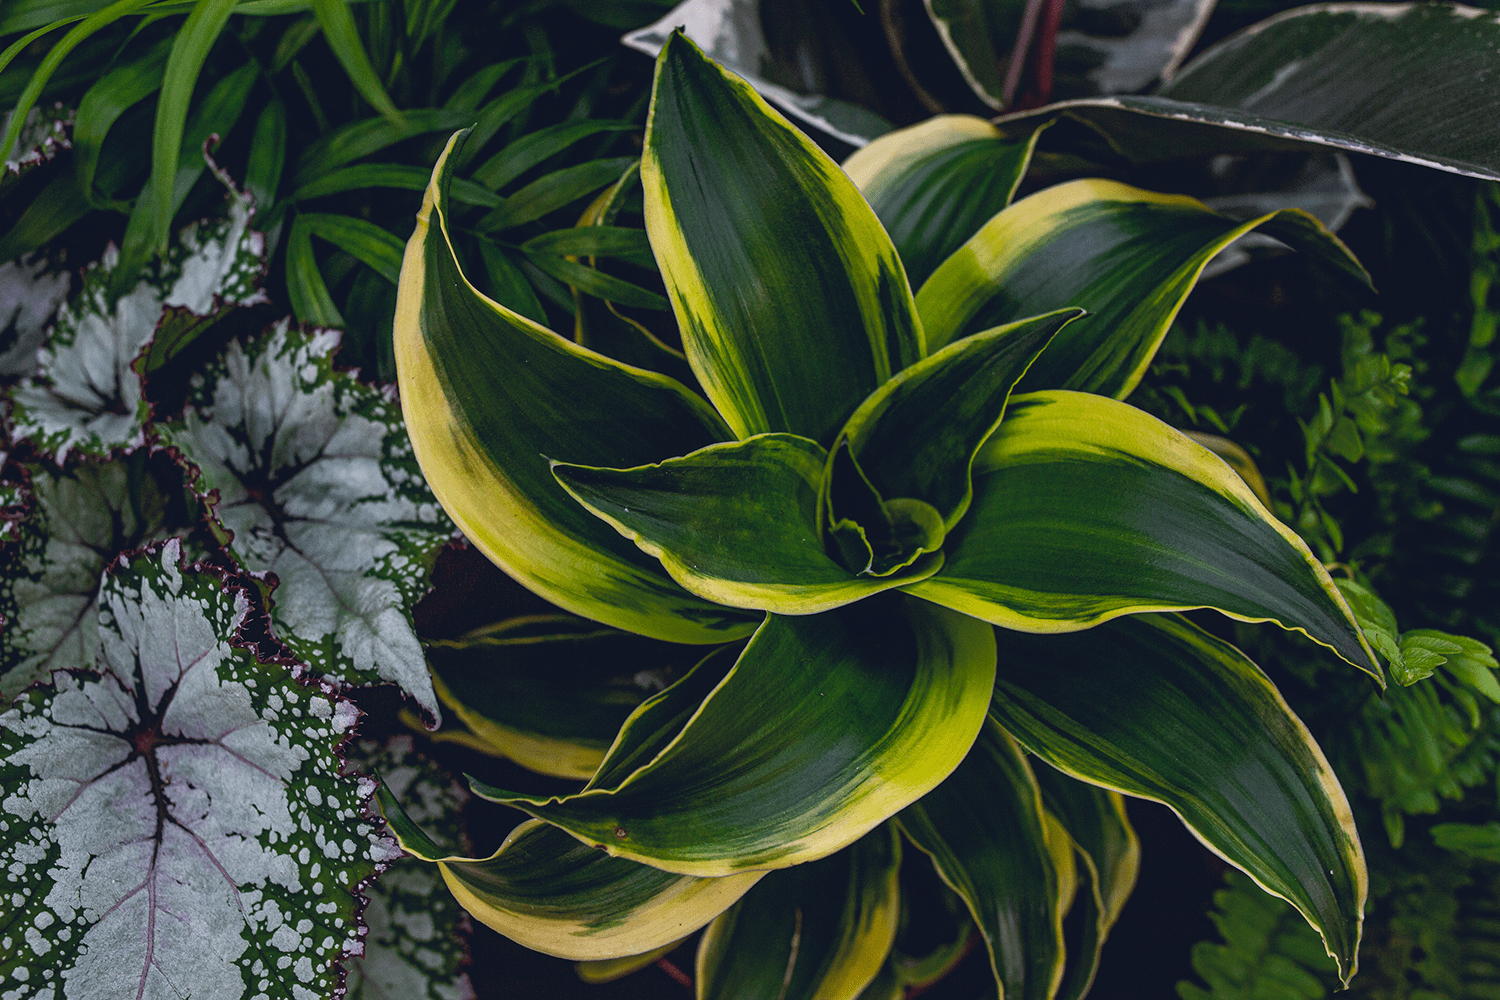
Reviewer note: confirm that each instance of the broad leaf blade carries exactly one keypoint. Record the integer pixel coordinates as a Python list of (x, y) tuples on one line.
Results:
[(1130, 257), (879, 711), (1154, 707), (818, 930), (489, 396), (934, 184), (1086, 509), (984, 829), (547, 891), (792, 302), (734, 523)]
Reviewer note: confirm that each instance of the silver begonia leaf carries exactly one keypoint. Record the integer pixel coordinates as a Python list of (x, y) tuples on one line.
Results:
[(44, 135), (317, 481), (29, 296), (86, 397), (176, 825), (413, 950)]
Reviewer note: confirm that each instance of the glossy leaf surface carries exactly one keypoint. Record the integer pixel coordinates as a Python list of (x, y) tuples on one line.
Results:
[(1154, 707), (792, 302), (1165, 523), (881, 708)]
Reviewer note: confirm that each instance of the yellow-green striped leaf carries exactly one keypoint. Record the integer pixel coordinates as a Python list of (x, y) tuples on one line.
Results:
[(833, 722), (547, 891), (934, 184), (819, 931), (792, 301), (1155, 707), (1130, 257), (1086, 509), (489, 396), (550, 692), (734, 523), (985, 831)]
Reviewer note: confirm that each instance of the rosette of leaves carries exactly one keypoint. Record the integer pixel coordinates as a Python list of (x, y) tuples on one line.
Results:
[(927, 535)]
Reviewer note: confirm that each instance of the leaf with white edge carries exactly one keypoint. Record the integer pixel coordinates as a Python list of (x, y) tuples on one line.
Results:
[(316, 479), (79, 523), (86, 397), (177, 825), (414, 949), (30, 293)]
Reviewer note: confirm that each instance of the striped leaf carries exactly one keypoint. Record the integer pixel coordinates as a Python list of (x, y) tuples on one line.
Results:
[(884, 702), (1153, 706), (1086, 509), (934, 184), (985, 831), (818, 931), (489, 395), (792, 302), (733, 523), (551, 691), (1130, 257), (545, 890)]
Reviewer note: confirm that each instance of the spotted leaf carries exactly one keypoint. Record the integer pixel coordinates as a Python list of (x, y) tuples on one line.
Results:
[(30, 293)]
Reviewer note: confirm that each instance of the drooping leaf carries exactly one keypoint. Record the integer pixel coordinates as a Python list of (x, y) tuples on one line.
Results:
[(111, 96), (337, 22), (550, 692), (553, 191), (415, 947), (180, 818), (734, 523), (1086, 509), (817, 930), (81, 522), (369, 136), (30, 293), (489, 396), (1364, 78), (1154, 707), (316, 480), (1130, 257), (934, 184), (553, 894), (879, 711), (792, 302), (985, 830), (87, 398)]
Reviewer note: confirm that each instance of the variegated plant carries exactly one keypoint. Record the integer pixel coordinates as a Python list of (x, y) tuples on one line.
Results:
[(915, 575)]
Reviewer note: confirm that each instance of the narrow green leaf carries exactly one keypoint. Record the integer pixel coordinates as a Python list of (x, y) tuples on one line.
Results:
[(497, 113), (311, 302), (390, 175), (934, 184), (47, 216), (734, 523), (792, 301), (536, 147), (881, 708), (363, 138), (267, 155), (1155, 707), (819, 930), (594, 241), (487, 394), (337, 21), (359, 238), (545, 890), (1086, 509), (119, 89), (508, 285), (601, 327), (477, 87), (189, 50), (552, 192), (1130, 257), (985, 832), (594, 282)]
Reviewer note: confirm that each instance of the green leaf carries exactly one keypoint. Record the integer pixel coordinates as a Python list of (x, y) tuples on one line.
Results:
[(594, 241), (1368, 79), (1154, 707), (391, 175), (1130, 257), (550, 692), (48, 215), (985, 832), (119, 89), (883, 705), (189, 50), (817, 930), (553, 191), (917, 435), (934, 184), (487, 394), (337, 22), (364, 138), (324, 492), (792, 302), (597, 283), (267, 155), (536, 147), (545, 890), (179, 814), (734, 523), (1475, 840), (312, 303), (360, 239), (508, 285), (1086, 509)]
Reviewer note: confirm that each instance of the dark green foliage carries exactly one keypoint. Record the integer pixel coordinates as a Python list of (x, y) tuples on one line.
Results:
[(1270, 953)]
